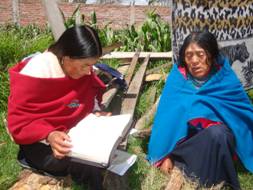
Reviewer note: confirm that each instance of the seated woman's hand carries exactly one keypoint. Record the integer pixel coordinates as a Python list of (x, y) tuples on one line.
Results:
[(60, 143)]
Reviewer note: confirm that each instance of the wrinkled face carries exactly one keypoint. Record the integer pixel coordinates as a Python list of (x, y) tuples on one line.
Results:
[(77, 68), (196, 60)]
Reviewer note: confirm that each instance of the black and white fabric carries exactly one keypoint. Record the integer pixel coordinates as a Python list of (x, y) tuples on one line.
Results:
[(230, 21)]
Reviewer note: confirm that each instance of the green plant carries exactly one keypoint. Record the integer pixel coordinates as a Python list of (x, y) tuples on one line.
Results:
[(17, 42), (93, 22), (114, 63), (71, 21), (4, 90), (143, 104), (153, 35), (250, 94), (108, 36), (9, 169), (10, 47)]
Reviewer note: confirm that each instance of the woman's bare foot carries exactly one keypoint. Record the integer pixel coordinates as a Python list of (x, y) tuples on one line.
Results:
[(167, 165)]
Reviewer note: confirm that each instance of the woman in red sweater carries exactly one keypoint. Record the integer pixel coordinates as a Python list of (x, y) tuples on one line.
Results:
[(51, 92)]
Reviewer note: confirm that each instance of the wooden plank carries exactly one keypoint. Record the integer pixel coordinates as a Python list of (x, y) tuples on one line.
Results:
[(117, 101), (127, 55), (109, 49), (147, 117), (31, 180), (159, 68), (131, 97), (125, 70), (109, 94), (131, 68), (154, 77), (54, 18)]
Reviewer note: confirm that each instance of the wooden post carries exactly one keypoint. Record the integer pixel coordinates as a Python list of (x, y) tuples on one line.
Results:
[(15, 12), (54, 18), (132, 15)]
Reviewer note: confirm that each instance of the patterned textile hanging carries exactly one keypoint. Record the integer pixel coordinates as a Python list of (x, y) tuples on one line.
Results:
[(230, 21)]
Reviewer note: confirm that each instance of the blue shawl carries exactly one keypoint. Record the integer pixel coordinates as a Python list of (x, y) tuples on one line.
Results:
[(222, 98)]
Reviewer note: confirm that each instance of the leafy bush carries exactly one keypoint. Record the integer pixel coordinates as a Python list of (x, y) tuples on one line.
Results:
[(9, 49), (4, 92), (153, 35), (17, 42)]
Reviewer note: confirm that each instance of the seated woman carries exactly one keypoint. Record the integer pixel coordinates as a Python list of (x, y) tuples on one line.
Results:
[(51, 92), (204, 116)]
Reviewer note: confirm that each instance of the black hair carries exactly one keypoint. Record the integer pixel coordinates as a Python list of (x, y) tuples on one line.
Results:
[(77, 42), (205, 40)]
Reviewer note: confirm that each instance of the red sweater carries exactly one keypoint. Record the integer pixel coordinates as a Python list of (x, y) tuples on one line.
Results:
[(37, 106)]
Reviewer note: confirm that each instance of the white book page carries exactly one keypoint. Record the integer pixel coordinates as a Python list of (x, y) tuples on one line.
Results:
[(93, 138)]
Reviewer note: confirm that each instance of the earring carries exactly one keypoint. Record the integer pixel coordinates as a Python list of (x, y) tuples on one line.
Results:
[(62, 62)]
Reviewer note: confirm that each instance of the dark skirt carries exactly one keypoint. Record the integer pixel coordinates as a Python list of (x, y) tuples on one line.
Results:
[(40, 157), (208, 157)]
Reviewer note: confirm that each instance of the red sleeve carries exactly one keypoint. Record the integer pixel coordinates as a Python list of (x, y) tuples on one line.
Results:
[(34, 131)]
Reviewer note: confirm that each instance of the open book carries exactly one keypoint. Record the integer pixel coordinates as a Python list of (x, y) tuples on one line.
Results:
[(96, 138)]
